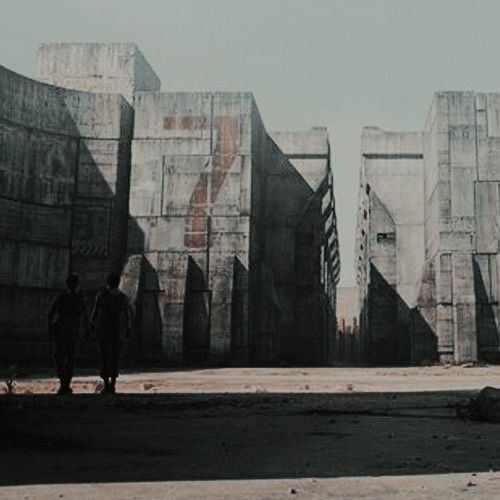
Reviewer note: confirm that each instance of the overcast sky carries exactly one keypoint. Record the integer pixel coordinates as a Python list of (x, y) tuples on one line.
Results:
[(339, 63)]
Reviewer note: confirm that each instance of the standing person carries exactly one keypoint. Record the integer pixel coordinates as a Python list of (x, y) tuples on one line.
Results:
[(111, 318), (65, 322)]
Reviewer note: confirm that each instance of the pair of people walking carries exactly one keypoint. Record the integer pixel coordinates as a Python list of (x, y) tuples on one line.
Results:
[(110, 318)]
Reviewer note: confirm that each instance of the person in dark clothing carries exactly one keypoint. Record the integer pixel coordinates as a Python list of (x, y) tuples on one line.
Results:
[(65, 321), (111, 319)]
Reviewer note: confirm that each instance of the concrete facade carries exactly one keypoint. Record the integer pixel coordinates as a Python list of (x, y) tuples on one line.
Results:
[(232, 235), (449, 310), (64, 174), (390, 241), (114, 68), (228, 250)]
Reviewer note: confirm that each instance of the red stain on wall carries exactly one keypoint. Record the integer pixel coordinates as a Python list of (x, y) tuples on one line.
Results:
[(185, 122), (225, 151), (227, 131)]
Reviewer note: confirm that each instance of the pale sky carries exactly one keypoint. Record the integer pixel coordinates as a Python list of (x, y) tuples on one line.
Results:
[(339, 63)]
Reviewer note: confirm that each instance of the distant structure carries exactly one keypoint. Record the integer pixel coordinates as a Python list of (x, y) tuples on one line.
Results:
[(428, 236), (346, 350), (225, 235)]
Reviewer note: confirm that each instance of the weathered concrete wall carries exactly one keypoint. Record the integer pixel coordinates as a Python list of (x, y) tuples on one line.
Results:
[(390, 242), (190, 200), (64, 168), (462, 176), (280, 214), (228, 251), (454, 267), (115, 68), (218, 210), (309, 152)]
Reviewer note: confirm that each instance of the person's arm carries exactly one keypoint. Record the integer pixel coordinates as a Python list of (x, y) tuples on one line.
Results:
[(95, 311), (126, 316), (86, 321), (54, 309)]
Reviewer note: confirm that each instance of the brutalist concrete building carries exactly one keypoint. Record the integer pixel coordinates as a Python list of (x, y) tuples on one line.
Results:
[(428, 236), (225, 235)]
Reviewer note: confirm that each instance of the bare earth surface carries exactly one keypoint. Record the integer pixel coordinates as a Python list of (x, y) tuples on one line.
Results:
[(252, 433)]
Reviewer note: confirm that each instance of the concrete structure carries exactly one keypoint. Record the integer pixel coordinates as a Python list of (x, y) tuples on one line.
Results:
[(232, 235), (228, 250), (64, 174), (390, 241), (437, 298), (346, 342), (116, 68), (309, 152)]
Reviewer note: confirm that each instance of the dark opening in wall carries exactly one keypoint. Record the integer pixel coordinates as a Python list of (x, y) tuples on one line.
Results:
[(381, 237), (365, 214)]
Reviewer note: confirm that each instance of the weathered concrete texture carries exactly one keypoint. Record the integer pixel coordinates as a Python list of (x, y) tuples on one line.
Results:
[(116, 68), (228, 251), (390, 241), (222, 218), (309, 152), (64, 170), (453, 263)]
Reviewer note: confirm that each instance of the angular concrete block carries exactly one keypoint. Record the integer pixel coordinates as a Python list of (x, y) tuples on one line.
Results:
[(183, 115), (444, 283), (462, 145), (462, 190), (487, 208), (98, 168), (465, 333), (493, 115), (463, 278), (91, 229)]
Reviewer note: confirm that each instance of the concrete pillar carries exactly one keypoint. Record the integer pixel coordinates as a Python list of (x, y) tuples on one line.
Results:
[(464, 308)]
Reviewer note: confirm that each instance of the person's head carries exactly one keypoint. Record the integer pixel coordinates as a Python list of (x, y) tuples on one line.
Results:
[(72, 281), (112, 280)]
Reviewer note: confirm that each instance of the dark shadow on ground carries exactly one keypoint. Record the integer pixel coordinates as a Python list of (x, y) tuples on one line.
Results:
[(130, 438)]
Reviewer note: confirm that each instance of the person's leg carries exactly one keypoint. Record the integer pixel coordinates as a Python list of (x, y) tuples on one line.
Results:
[(71, 341), (114, 359), (60, 357), (104, 350)]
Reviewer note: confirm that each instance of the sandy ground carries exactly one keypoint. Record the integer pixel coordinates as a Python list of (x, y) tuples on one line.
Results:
[(454, 486), (296, 380), (252, 433)]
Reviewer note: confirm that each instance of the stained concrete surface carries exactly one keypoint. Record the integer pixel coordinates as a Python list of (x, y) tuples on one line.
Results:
[(428, 233), (229, 250), (255, 432)]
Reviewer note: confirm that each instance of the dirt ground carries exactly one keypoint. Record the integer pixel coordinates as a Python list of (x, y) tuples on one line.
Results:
[(252, 433)]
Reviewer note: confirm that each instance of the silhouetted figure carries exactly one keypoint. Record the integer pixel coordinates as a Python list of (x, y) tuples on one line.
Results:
[(111, 319), (65, 321)]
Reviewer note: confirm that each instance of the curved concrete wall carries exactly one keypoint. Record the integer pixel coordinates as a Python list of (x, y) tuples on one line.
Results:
[(64, 173)]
